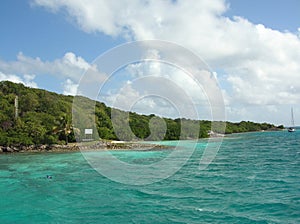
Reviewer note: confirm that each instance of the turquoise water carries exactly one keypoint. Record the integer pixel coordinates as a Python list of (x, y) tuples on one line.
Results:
[(255, 178)]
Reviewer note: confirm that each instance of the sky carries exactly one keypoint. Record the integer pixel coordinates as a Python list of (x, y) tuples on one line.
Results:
[(252, 48)]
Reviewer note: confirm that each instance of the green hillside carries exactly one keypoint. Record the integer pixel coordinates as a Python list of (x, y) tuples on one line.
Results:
[(45, 118)]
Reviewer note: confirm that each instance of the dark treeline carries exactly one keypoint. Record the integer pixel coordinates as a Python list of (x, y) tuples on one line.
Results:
[(45, 118)]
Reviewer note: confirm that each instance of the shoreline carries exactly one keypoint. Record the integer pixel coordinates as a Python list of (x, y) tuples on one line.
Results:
[(84, 146), (103, 145)]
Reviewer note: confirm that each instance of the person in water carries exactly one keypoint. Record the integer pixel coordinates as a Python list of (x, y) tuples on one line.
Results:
[(49, 177)]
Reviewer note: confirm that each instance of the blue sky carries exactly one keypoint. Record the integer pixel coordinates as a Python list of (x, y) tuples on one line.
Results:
[(280, 15), (49, 44), (38, 33)]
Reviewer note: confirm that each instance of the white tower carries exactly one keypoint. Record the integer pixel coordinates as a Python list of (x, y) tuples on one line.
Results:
[(16, 107)]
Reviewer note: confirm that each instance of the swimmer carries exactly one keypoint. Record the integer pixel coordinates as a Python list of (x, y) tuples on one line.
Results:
[(49, 177)]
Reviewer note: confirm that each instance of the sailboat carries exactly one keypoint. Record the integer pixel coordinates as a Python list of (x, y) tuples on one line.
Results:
[(292, 128)]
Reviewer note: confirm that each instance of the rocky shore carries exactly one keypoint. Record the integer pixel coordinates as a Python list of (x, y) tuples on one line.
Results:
[(38, 148), (72, 147)]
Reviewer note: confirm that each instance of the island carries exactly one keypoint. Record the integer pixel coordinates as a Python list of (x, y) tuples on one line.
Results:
[(34, 119)]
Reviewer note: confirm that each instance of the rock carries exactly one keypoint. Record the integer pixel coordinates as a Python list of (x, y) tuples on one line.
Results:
[(23, 148), (42, 147), (9, 149), (15, 149)]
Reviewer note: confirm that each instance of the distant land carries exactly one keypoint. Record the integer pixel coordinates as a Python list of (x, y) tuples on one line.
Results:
[(45, 118)]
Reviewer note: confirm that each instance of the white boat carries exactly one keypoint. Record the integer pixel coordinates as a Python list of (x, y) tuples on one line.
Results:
[(292, 128)]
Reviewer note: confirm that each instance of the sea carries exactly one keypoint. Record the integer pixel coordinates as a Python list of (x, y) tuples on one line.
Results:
[(254, 178)]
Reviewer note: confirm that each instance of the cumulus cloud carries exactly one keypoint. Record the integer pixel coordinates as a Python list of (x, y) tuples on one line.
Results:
[(25, 69), (154, 86), (149, 95), (180, 78), (26, 79), (70, 88), (70, 66), (260, 64)]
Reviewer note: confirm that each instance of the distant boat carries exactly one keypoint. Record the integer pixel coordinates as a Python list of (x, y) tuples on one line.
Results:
[(292, 128)]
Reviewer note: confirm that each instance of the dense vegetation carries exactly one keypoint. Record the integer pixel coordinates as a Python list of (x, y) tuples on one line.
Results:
[(45, 118)]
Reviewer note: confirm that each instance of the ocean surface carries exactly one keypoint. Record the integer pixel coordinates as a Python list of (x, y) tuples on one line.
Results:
[(255, 178)]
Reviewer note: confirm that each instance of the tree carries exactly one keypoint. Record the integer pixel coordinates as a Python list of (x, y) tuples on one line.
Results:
[(45, 118), (64, 127), (28, 102)]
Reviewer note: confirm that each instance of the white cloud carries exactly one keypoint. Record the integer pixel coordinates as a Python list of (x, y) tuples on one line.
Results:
[(169, 73), (261, 62), (70, 68), (260, 65), (156, 87), (10, 77), (72, 60), (70, 88), (27, 79), (130, 98)]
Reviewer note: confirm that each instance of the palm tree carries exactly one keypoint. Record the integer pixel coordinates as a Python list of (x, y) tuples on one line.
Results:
[(64, 126)]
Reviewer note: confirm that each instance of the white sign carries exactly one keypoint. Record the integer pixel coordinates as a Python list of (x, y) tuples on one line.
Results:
[(88, 131)]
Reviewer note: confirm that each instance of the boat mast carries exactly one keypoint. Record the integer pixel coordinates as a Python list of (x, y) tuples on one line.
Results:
[(293, 122)]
